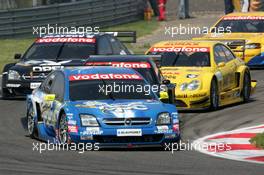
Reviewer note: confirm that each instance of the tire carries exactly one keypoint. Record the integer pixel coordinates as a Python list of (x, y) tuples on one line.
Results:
[(5, 94), (214, 95), (31, 123), (63, 130), (246, 87)]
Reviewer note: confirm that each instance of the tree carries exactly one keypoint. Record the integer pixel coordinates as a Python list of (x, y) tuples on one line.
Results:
[(8, 4)]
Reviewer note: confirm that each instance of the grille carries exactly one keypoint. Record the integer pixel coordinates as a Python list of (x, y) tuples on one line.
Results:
[(132, 139), (126, 121)]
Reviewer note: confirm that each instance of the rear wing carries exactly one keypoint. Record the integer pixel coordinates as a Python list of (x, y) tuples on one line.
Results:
[(237, 46), (156, 58), (124, 36)]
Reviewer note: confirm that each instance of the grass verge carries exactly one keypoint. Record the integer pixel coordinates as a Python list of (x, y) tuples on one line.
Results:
[(258, 141), (8, 47)]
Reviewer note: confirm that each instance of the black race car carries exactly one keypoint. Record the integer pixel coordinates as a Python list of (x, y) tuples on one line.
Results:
[(55, 52), (146, 65)]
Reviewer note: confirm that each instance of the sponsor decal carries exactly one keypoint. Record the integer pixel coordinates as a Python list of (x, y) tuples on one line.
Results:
[(129, 132), (105, 77), (176, 127), (46, 68), (114, 108), (197, 95), (73, 129), (91, 131), (180, 49), (72, 122), (182, 96), (34, 85), (65, 40), (13, 85), (88, 137), (142, 65), (181, 44), (163, 130), (243, 18)]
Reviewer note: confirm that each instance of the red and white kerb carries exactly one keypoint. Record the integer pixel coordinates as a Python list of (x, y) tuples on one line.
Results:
[(79, 77), (65, 40), (180, 49), (243, 18), (135, 65)]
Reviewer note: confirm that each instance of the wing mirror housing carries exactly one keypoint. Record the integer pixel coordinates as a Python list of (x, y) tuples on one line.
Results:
[(170, 90), (222, 64), (17, 56)]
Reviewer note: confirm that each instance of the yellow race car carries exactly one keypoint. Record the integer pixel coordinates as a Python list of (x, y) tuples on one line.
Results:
[(243, 33), (206, 73)]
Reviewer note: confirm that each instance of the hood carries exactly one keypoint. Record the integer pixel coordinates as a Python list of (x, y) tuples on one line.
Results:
[(179, 75), (233, 36), (74, 62), (121, 108), (43, 67)]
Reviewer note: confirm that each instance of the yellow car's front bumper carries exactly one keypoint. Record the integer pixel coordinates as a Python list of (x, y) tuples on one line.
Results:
[(190, 100)]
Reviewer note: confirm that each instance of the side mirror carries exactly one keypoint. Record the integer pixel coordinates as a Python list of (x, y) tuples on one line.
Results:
[(222, 64), (17, 56), (49, 97), (170, 91), (166, 82)]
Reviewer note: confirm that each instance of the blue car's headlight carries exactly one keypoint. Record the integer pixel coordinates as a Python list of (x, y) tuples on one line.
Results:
[(88, 120), (164, 119)]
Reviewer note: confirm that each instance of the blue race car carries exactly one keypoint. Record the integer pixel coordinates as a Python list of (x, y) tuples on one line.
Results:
[(75, 105)]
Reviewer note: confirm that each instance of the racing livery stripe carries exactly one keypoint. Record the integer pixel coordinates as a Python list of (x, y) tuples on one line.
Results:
[(66, 40), (104, 76), (180, 49), (243, 18), (142, 65)]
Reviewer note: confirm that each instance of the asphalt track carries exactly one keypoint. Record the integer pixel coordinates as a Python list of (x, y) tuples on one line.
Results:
[(17, 155)]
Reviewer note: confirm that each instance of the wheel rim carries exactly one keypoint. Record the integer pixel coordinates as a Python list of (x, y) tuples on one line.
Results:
[(63, 130), (31, 122)]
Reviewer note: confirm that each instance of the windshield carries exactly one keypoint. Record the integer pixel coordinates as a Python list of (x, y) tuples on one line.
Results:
[(60, 51), (124, 89), (242, 26), (184, 59), (144, 68)]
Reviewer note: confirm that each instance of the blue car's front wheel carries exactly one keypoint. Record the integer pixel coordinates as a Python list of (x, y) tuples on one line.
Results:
[(31, 124), (63, 130)]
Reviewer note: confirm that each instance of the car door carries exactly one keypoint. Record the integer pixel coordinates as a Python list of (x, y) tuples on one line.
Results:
[(232, 66), (50, 108), (223, 71), (45, 105), (58, 87)]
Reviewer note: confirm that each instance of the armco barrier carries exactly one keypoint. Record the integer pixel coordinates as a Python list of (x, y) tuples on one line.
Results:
[(102, 13)]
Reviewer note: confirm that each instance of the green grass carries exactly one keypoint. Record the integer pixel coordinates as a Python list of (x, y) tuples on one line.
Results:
[(258, 141), (8, 47)]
